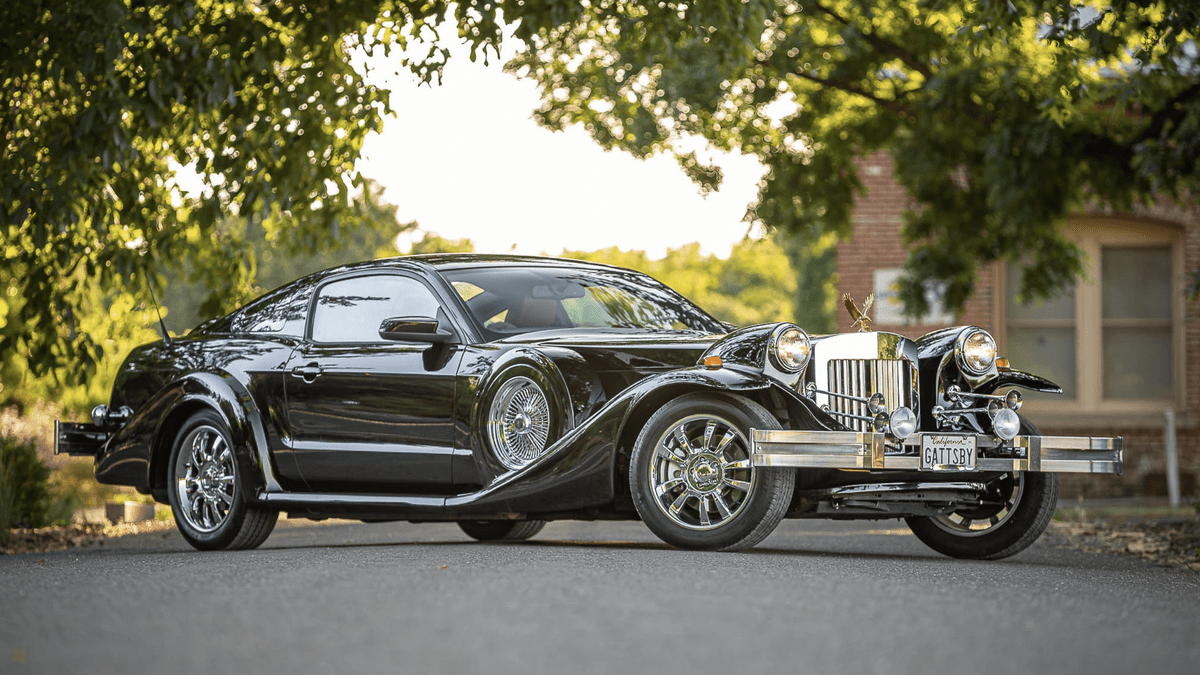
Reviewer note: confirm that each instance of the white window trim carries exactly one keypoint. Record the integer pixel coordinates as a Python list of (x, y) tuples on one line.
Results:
[(1092, 233)]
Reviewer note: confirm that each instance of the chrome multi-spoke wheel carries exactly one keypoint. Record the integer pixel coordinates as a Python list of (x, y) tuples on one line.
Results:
[(700, 474), (205, 481), (205, 490), (1011, 515), (692, 480), (519, 422)]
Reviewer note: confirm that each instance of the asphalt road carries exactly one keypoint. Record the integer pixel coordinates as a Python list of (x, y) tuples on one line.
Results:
[(816, 597)]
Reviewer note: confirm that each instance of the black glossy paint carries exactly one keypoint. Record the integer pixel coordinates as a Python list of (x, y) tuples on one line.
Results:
[(1017, 378), (397, 428), (400, 419), (939, 370)]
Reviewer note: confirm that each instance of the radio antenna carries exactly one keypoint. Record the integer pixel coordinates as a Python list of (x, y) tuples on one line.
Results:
[(162, 324)]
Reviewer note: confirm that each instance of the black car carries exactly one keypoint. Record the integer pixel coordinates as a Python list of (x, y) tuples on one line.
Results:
[(502, 392)]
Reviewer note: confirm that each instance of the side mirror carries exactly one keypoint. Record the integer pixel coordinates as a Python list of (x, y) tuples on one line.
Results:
[(413, 329)]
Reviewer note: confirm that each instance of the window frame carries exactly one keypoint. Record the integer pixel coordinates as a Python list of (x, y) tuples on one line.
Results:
[(1093, 233), (316, 295)]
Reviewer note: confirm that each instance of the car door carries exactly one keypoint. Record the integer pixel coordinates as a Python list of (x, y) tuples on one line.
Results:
[(367, 414)]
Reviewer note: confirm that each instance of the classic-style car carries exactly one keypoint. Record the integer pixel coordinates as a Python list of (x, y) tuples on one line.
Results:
[(502, 392)]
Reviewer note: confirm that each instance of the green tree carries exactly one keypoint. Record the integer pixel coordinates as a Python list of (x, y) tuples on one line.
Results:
[(267, 101), (105, 99), (1002, 116), (374, 236), (815, 266), (756, 284), (431, 242)]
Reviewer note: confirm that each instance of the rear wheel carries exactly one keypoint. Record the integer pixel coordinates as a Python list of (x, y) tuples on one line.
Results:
[(1016, 510), (501, 530), (205, 492), (692, 479)]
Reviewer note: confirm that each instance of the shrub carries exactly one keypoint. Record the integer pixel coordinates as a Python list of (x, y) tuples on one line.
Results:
[(26, 499)]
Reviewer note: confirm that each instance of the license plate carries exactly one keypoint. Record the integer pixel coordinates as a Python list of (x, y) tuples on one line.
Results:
[(948, 452)]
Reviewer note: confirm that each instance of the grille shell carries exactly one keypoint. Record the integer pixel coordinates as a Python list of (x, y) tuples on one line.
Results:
[(894, 378)]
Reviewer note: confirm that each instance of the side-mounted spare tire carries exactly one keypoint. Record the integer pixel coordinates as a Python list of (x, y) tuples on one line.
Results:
[(691, 478), (525, 410), (205, 490)]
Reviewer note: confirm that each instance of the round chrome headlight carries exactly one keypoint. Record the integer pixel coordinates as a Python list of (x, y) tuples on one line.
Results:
[(976, 351), (903, 422), (791, 350)]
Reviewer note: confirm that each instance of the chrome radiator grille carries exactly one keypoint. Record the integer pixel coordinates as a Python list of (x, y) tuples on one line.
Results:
[(863, 377)]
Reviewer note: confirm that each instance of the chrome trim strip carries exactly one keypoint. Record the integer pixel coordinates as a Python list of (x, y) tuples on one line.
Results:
[(813, 390), (954, 395), (305, 499), (865, 450), (850, 415)]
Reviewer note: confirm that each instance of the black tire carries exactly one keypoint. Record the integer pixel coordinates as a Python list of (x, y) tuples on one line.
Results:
[(678, 496), (501, 530), (203, 472), (1022, 504)]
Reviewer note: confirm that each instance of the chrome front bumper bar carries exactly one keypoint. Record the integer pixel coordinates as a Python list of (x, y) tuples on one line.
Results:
[(865, 450)]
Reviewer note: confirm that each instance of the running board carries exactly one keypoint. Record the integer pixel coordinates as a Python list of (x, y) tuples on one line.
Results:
[(357, 507)]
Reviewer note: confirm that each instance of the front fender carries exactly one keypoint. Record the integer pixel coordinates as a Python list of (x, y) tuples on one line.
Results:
[(1017, 378), (579, 471)]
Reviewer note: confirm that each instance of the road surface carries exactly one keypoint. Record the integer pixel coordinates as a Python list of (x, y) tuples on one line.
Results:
[(816, 597)]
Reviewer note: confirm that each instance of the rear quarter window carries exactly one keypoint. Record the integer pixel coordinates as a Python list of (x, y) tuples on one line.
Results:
[(282, 312)]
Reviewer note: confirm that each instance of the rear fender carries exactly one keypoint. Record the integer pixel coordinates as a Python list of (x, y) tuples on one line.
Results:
[(140, 451)]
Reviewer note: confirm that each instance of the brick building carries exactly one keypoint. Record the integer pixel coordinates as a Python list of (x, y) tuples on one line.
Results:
[(1124, 342)]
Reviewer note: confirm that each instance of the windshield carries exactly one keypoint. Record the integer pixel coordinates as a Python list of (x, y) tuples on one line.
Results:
[(510, 300)]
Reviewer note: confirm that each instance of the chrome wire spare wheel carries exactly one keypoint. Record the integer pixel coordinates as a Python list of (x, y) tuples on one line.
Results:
[(700, 474), (519, 422), (206, 473)]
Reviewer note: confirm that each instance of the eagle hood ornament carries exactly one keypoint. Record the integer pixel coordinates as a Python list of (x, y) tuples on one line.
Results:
[(860, 316)]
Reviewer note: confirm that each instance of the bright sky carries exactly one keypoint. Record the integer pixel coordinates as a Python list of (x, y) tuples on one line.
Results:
[(466, 160)]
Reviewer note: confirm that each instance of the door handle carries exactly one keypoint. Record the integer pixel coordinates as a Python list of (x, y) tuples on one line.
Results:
[(308, 372)]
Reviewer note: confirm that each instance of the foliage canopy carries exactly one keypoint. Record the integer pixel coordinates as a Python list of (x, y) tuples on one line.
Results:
[(106, 99), (1002, 117)]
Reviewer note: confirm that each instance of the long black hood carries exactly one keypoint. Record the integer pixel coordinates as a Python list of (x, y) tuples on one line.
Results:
[(624, 350)]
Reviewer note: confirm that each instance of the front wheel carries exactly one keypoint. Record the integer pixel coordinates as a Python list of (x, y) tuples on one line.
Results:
[(205, 493), (1015, 511), (692, 480)]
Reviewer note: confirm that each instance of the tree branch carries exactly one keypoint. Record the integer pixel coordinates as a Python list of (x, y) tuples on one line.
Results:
[(894, 106), (1167, 113), (883, 45)]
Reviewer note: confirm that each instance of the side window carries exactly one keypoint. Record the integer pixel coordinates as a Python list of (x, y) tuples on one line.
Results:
[(283, 312), (352, 309)]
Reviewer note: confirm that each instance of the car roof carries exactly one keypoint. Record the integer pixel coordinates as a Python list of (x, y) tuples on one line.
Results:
[(444, 262), (453, 261)]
